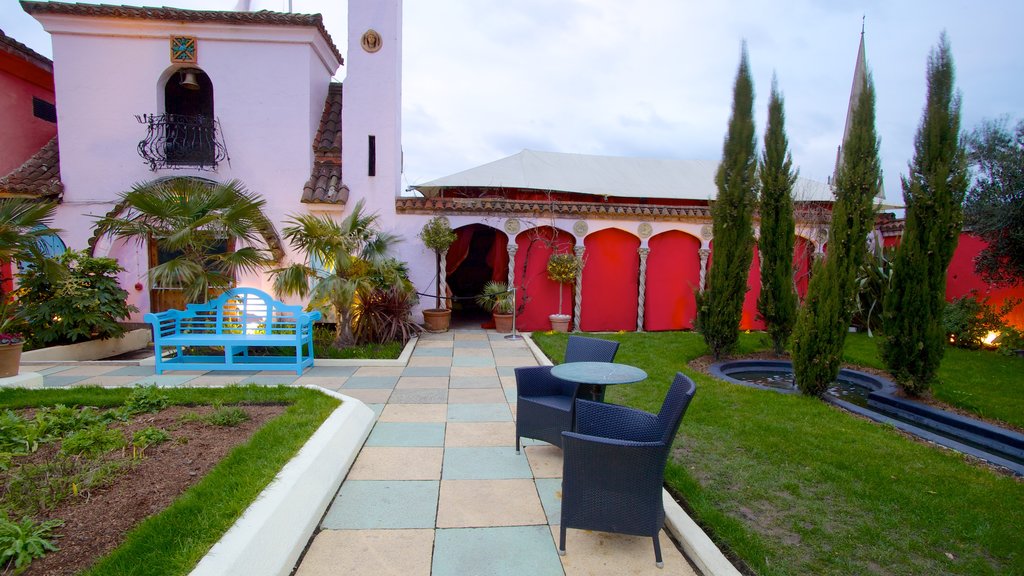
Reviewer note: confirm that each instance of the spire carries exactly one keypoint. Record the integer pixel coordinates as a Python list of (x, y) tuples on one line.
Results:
[(860, 71)]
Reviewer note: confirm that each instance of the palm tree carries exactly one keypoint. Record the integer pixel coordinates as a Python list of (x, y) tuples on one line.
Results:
[(344, 259), (23, 223), (211, 232)]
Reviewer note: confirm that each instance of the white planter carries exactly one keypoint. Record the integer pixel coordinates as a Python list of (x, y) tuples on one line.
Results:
[(91, 350)]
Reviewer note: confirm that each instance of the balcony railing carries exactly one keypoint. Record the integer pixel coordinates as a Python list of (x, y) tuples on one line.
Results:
[(182, 141)]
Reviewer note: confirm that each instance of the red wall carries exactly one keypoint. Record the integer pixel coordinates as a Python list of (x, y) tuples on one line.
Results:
[(750, 319), (610, 281), (673, 275), (961, 279), (23, 133), (541, 294), (803, 252)]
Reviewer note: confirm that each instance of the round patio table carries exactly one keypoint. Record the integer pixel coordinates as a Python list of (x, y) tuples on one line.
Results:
[(594, 376)]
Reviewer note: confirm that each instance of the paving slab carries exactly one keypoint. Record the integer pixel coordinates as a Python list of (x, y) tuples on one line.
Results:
[(480, 434), (498, 551), (391, 463), (482, 503), (487, 463), (414, 413), (420, 396), (409, 434), (369, 553), (362, 504), (370, 382), (479, 413)]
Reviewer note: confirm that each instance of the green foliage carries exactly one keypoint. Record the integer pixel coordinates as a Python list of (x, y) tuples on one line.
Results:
[(968, 320), (24, 541), (777, 303), (229, 416), (57, 421), (211, 232), (933, 192), (496, 297), (82, 302), (92, 441), (720, 305), (37, 488), (824, 319), (147, 437), (384, 314), (18, 435), (23, 222), (437, 234), (345, 258), (994, 206), (146, 399), (873, 281)]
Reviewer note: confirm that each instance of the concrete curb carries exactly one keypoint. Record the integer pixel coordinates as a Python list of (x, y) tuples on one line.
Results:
[(23, 380), (696, 544), (401, 361), (272, 533)]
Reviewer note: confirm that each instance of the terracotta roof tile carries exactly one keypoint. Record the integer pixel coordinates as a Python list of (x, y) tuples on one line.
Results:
[(12, 46), (38, 177), (183, 15), (325, 185)]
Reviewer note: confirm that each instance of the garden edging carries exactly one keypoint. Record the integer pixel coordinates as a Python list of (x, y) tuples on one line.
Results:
[(90, 350), (697, 545), (273, 531)]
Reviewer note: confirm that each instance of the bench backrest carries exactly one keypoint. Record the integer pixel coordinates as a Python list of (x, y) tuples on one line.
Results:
[(244, 310)]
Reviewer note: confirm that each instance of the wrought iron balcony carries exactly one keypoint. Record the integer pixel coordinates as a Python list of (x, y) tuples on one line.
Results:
[(182, 141)]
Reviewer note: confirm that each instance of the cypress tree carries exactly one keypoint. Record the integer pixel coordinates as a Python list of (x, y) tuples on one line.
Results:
[(822, 323), (933, 192), (777, 302), (720, 306)]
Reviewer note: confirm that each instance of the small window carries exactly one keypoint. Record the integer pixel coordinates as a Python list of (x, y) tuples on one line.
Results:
[(44, 110)]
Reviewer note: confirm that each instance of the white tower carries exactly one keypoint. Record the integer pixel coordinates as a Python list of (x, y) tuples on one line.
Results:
[(372, 105)]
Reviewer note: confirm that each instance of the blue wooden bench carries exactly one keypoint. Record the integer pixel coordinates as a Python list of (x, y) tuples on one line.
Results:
[(238, 320)]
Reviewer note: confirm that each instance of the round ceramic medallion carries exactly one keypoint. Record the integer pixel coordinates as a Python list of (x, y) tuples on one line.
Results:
[(706, 232), (371, 41), (644, 230), (512, 226), (580, 228)]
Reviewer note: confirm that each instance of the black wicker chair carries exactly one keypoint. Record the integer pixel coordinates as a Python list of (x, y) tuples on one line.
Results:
[(545, 404), (614, 465)]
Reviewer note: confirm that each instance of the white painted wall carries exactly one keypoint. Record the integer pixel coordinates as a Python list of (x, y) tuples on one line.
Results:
[(269, 85)]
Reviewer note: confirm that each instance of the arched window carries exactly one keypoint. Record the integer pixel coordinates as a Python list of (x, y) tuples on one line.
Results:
[(191, 131)]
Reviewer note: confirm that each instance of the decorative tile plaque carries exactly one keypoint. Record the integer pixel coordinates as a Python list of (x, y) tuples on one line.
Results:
[(183, 49)]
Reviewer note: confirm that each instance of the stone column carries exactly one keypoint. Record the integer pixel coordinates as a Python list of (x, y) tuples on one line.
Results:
[(512, 249), (576, 309), (442, 282), (644, 251), (704, 254)]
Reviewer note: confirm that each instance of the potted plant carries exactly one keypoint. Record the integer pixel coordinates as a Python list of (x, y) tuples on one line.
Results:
[(562, 268), (497, 298), (437, 235), (11, 340)]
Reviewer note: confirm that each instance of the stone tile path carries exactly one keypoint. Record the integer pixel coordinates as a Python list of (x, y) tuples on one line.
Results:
[(437, 489)]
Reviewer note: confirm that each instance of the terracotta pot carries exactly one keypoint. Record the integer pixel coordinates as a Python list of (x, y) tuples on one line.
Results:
[(10, 358), (503, 322), (560, 322), (437, 320)]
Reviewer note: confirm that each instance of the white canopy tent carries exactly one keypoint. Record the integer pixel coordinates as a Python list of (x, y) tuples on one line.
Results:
[(604, 176)]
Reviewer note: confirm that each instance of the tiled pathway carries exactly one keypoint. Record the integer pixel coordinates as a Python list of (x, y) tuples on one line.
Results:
[(438, 488)]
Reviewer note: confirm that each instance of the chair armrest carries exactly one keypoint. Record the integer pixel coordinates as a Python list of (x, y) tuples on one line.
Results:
[(616, 422), (313, 316), (538, 381)]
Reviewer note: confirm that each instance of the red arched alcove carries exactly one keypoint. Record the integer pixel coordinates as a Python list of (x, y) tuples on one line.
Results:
[(803, 251), (750, 319), (610, 281), (540, 294), (673, 275)]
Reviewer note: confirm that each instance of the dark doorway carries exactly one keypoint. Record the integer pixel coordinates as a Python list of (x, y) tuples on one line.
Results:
[(188, 103), (478, 256)]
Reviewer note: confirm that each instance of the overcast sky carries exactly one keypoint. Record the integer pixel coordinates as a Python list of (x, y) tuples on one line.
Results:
[(484, 79)]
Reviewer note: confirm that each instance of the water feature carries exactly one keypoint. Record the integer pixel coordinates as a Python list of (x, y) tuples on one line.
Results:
[(875, 398)]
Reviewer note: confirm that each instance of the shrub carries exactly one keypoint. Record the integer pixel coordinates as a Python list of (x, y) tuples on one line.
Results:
[(57, 421), (229, 417), (384, 314), (968, 320), (24, 541), (92, 441), (18, 435), (81, 302), (147, 437), (146, 399)]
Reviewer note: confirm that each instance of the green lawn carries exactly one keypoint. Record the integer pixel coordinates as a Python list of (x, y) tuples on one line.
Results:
[(173, 541), (792, 485)]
